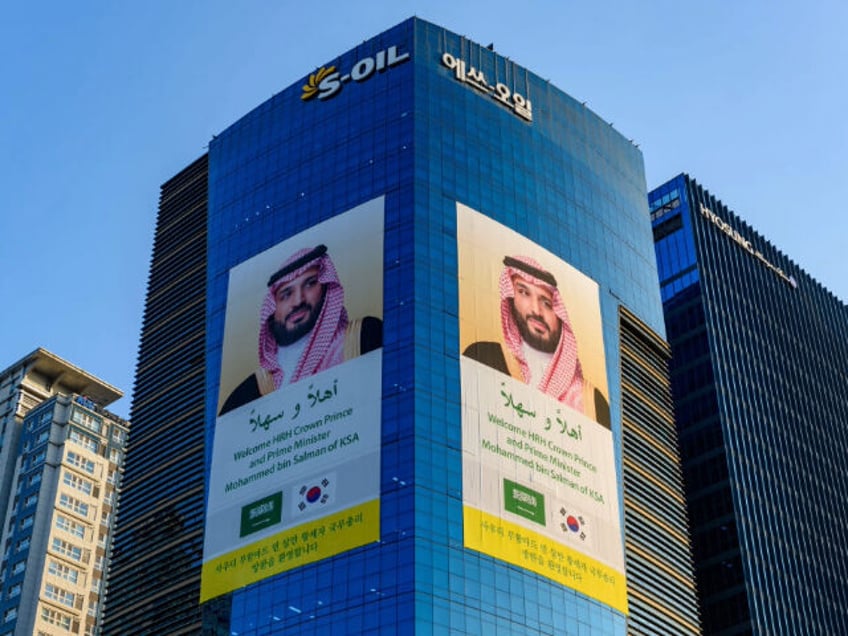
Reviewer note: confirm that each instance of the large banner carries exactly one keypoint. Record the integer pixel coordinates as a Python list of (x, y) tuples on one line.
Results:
[(539, 480), (295, 473)]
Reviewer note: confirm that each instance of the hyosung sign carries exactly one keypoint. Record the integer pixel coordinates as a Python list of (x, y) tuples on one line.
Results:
[(745, 244)]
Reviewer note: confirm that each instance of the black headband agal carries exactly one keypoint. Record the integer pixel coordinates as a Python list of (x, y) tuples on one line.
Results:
[(318, 252), (535, 272)]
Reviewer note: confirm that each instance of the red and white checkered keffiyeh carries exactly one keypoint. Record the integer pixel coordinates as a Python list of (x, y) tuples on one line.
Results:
[(326, 340), (563, 379)]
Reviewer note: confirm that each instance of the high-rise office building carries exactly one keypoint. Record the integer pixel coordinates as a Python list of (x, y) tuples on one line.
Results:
[(432, 332), (61, 459), (155, 577), (660, 582), (760, 385)]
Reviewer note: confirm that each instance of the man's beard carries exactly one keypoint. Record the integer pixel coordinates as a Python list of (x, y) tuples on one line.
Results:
[(285, 336), (543, 343)]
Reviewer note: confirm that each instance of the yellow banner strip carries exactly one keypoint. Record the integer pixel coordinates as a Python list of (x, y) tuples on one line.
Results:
[(540, 554), (291, 548)]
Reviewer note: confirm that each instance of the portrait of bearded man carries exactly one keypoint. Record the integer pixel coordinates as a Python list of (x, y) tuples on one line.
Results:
[(538, 338), (304, 327)]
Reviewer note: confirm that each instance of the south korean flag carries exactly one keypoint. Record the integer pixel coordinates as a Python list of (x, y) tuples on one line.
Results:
[(572, 522), (315, 494)]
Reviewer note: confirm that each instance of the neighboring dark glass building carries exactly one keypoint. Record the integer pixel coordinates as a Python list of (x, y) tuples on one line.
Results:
[(154, 582), (419, 466), (760, 379)]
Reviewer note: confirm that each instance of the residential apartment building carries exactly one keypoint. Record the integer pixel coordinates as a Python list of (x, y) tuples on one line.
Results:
[(61, 464)]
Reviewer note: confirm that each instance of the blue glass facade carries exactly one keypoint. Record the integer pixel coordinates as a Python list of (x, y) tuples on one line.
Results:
[(759, 360), (416, 135)]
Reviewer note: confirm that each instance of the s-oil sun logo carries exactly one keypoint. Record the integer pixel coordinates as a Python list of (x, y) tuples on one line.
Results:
[(327, 81)]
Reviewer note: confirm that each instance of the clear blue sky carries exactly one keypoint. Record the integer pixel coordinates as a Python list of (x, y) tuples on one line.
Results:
[(100, 102)]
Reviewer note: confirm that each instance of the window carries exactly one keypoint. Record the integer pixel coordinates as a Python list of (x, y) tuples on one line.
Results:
[(70, 526), (10, 614), (34, 479), (31, 500), (88, 420), (63, 571), (77, 483), (22, 545), (84, 464), (56, 593), (55, 617), (20, 566), (26, 522), (80, 507), (68, 549), (84, 440), (38, 458)]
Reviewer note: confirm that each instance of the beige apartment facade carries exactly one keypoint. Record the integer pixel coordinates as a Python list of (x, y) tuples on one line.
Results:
[(61, 459)]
